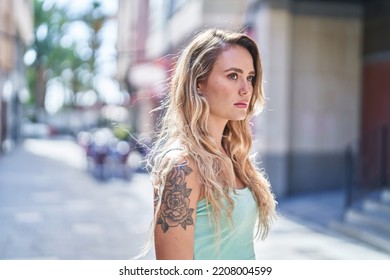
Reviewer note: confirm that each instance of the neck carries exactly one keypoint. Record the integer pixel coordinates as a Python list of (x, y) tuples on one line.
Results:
[(216, 128)]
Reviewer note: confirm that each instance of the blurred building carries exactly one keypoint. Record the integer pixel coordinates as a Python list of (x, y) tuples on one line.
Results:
[(16, 31), (325, 67), (312, 66), (375, 109)]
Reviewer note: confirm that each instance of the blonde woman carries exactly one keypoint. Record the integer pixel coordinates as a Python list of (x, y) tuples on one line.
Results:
[(208, 193)]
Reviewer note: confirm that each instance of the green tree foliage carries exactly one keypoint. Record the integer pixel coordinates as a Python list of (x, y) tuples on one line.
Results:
[(58, 56)]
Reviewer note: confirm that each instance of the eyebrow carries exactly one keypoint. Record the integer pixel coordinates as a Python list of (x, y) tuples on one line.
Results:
[(238, 70)]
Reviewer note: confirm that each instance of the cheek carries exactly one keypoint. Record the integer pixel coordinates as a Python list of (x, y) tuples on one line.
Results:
[(218, 91)]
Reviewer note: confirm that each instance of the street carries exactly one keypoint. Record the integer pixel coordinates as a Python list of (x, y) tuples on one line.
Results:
[(52, 208)]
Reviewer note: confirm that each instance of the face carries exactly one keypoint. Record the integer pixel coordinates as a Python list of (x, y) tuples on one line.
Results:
[(229, 86)]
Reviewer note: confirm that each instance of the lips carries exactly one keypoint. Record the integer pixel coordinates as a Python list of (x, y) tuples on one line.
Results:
[(241, 104)]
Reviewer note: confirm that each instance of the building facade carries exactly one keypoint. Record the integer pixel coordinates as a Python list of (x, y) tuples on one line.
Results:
[(324, 68), (375, 115), (16, 31), (312, 66)]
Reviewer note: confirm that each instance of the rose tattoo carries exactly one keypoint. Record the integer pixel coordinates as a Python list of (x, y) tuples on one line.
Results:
[(175, 204)]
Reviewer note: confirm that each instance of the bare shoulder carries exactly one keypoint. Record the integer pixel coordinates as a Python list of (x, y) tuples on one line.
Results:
[(180, 194), (182, 168), (176, 216)]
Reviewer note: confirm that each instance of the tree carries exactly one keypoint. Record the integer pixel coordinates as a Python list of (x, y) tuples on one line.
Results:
[(59, 58), (95, 21)]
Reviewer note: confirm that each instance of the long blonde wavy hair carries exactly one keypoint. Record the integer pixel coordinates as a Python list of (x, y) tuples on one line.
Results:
[(185, 121)]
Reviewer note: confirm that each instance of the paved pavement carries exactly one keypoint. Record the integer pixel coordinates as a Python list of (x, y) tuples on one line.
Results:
[(302, 232), (52, 208)]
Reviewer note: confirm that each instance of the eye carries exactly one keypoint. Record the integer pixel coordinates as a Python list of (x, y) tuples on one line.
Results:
[(251, 79), (233, 76)]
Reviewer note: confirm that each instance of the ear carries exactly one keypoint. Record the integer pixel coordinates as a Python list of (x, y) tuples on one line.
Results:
[(199, 88)]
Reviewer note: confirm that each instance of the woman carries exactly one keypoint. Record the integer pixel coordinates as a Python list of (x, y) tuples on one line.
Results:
[(208, 193)]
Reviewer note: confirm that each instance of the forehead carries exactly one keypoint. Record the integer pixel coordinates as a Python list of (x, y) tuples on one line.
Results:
[(235, 56)]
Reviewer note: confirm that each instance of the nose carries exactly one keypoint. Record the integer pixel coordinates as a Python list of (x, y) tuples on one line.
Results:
[(245, 88)]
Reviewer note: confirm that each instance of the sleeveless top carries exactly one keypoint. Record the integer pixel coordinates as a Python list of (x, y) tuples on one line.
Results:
[(236, 241)]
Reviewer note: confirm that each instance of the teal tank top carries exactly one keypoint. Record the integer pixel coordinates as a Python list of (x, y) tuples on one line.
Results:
[(236, 241)]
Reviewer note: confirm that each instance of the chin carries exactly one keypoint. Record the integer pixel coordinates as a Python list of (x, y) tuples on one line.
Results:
[(239, 118)]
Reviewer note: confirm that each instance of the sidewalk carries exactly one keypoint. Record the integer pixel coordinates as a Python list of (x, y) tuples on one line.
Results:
[(51, 208), (301, 232)]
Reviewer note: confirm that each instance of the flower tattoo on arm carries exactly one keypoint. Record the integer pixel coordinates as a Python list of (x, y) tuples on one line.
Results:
[(175, 203)]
